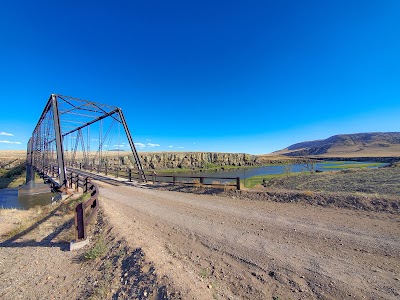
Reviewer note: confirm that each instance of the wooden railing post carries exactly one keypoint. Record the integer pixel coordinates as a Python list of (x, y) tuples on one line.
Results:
[(201, 180), (76, 182), (174, 180), (129, 175), (238, 183), (85, 189), (85, 211), (80, 222)]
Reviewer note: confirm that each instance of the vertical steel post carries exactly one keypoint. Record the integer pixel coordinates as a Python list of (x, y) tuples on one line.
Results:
[(59, 143), (142, 176), (30, 175)]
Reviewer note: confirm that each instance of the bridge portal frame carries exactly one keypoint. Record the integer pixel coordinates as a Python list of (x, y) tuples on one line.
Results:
[(49, 131)]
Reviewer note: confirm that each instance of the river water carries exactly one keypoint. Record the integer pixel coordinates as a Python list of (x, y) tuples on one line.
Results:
[(243, 173), (9, 199)]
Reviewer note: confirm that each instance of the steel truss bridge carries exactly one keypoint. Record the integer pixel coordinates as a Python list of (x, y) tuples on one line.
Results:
[(75, 135)]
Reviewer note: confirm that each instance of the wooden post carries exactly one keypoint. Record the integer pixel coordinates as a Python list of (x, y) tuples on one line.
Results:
[(76, 182), (201, 180), (85, 189), (130, 175), (238, 183), (174, 180), (80, 222)]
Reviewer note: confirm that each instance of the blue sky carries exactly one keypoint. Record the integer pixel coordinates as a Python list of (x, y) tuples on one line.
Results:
[(227, 76)]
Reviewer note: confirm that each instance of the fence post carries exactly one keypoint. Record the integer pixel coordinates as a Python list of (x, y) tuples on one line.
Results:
[(70, 180), (201, 180), (85, 185), (129, 175), (238, 183), (106, 169), (80, 222), (76, 182), (173, 180), (80, 166)]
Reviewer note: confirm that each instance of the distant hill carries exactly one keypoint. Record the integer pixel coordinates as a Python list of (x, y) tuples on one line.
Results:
[(374, 144)]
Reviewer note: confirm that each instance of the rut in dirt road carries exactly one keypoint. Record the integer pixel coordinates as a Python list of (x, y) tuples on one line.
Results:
[(220, 247)]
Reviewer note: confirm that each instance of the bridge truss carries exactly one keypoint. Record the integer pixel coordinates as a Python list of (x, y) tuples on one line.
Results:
[(75, 133)]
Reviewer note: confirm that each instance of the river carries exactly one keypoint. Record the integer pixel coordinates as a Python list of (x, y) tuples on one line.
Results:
[(9, 199), (244, 173)]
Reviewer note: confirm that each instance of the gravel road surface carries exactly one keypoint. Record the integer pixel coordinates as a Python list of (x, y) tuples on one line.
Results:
[(215, 247)]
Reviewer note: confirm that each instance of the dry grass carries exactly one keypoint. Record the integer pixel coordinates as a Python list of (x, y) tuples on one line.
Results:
[(13, 176), (8, 154), (381, 181), (196, 183), (14, 221)]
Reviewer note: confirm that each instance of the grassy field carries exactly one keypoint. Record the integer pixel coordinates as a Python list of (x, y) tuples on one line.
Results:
[(382, 181), (12, 178), (340, 165), (257, 181)]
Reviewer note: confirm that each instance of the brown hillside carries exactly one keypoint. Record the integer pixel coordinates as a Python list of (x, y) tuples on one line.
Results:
[(376, 144)]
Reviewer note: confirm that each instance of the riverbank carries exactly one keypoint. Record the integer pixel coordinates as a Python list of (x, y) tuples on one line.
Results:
[(12, 178)]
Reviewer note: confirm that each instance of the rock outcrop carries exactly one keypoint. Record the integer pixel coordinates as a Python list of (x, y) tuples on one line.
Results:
[(191, 160), (196, 160)]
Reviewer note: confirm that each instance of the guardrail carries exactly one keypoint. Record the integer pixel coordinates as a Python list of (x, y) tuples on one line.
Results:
[(196, 180), (85, 211), (130, 174)]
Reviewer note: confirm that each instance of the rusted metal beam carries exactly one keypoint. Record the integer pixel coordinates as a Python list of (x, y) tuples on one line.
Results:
[(59, 143)]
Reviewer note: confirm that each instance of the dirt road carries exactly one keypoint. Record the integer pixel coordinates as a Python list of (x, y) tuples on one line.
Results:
[(214, 247)]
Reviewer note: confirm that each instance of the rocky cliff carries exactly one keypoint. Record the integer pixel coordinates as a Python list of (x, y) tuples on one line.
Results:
[(196, 160), (190, 160)]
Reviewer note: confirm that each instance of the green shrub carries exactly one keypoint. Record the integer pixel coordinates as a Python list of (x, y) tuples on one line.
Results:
[(97, 251)]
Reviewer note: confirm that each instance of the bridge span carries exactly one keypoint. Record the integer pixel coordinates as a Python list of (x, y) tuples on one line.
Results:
[(74, 132)]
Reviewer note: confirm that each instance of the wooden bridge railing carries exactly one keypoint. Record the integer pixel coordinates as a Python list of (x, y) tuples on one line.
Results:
[(84, 211), (130, 174)]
